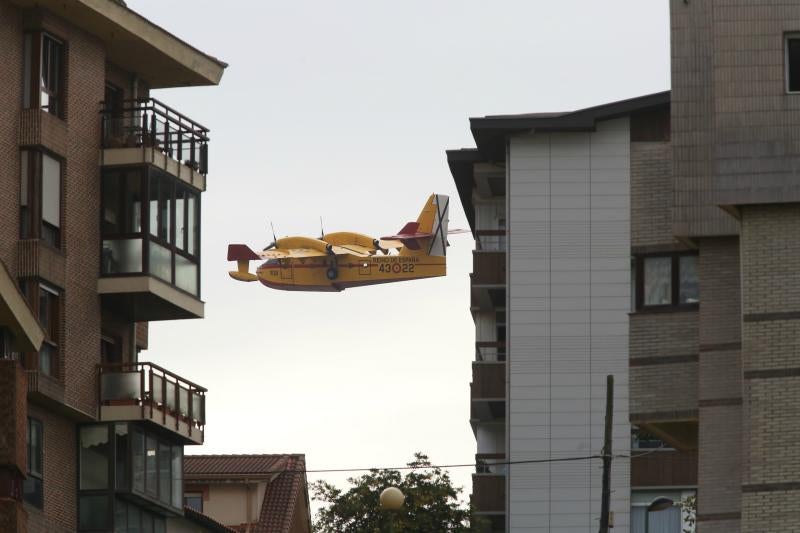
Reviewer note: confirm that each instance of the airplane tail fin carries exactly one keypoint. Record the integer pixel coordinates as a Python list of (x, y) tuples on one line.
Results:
[(242, 254), (431, 229)]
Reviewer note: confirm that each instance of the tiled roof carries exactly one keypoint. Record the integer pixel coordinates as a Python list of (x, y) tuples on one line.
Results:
[(286, 483), (197, 466), (281, 496)]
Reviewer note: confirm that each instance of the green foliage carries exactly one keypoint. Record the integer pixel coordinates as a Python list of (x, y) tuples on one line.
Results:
[(431, 503), (688, 507)]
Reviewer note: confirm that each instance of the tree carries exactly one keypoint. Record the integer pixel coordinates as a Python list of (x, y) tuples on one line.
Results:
[(431, 503)]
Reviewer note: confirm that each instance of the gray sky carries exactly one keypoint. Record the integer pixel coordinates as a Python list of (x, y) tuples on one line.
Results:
[(344, 109)]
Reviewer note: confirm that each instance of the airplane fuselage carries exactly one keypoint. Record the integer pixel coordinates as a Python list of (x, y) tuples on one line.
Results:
[(336, 273)]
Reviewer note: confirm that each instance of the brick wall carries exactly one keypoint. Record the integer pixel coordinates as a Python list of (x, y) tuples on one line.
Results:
[(59, 475), (719, 471), (663, 361), (651, 193), (771, 367), (13, 415)]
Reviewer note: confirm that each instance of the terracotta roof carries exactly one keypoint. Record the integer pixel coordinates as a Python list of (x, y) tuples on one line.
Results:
[(198, 466), (280, 498), (286, 483)]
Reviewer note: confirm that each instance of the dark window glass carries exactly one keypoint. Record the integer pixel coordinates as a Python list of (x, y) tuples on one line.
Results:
[(159, 525), (666, 281), (137, 466), (793, 64), (122, 443), (120, 517), (94, 512), (40, 197), (43, 73), (134, 519), (177, 476), (32, 486), (52, 75), (49, 318), (194, 500), (164, 476), (689, 286), (151, 465), (95, 454)]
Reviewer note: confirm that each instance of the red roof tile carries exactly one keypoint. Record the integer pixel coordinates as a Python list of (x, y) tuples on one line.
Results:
[(286, 486), (197, 466)]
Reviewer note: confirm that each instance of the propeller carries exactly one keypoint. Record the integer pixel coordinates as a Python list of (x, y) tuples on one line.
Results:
[(321, 229), (274, 243)]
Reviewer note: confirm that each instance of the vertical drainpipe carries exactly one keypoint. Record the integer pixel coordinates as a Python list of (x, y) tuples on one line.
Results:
[(249, 511)]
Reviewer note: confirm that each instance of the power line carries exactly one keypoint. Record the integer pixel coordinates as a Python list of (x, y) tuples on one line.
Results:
[(445, 466)]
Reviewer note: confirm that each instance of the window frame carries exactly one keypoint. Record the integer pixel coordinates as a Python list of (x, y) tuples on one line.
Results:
[(168, 240), (32, 224), (675, 280), (33, 85), (34, 478), (787, 65), (53, 329)]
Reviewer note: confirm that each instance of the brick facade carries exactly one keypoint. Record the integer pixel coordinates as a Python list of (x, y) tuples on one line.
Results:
[(69, 398), (771, 368)]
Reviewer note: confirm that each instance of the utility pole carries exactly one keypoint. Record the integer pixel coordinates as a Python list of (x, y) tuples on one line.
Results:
[(606, 503)]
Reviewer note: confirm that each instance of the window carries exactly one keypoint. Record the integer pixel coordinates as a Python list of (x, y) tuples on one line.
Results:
[(666, 281), (792, 46), (157, 468), (43, 72), (130, 518), (95, 457), (32, 486), (500, 330), (151, 225), (194, 500), (40, 198), (49, 313), (642, 439)]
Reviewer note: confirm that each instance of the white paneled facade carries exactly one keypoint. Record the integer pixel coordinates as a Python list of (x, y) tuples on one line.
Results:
[(568, 300)]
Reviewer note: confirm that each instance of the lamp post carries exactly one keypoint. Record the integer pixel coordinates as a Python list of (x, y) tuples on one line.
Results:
[(659, 504), (391, 499)]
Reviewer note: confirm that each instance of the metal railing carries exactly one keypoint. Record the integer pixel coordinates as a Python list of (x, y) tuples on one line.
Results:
[(147, 122), (491, 463), (490, 240), (157, 391), (490, 351)]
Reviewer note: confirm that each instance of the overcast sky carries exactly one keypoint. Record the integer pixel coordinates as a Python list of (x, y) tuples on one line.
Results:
[(344, 110)]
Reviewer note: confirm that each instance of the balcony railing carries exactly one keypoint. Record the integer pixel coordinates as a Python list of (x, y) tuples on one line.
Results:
[(153, 393), (488, 381), (488, 493), (488, 269), (147, 122), (491, 240), (490, 351)]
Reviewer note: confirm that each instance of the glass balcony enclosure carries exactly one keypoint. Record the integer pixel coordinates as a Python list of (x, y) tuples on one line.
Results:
[(124, 469), (150, 225)]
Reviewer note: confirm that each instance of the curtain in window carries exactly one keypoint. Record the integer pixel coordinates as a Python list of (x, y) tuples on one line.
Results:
[(666, 521), (658, 281)]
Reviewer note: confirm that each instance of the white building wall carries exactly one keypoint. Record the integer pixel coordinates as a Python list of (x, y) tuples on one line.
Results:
[(568, 299)]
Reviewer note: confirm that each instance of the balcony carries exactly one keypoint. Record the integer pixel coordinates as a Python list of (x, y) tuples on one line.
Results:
[(489, 493), (488, 278), (146, 392), (147, 131), (488, 391), (150, 257), (663, 468)]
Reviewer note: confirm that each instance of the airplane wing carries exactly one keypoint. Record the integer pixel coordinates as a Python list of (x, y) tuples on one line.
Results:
[(291, 253), (353, 249), (390, 244)]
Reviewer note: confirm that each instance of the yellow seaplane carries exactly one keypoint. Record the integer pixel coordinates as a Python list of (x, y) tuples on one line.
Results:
[(340, 260)]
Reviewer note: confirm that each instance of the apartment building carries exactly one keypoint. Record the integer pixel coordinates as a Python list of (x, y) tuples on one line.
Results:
[(696, 189), (260, 493), (99, 232)]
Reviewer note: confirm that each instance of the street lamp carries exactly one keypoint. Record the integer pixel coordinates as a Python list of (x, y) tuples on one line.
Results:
[(391, 499), (659, 504)]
